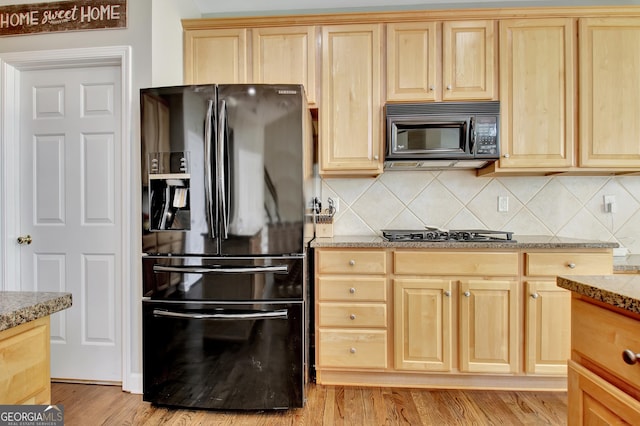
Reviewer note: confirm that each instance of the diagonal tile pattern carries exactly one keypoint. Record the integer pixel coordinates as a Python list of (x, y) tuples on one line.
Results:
[(567, 206)]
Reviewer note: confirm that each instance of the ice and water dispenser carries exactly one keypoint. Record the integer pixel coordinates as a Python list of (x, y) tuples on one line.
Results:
[(169, 180)]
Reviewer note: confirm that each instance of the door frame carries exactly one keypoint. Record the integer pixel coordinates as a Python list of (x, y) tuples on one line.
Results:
[(11, 66)]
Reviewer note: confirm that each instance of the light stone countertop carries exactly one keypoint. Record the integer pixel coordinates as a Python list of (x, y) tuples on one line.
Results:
[(628, 264), (520, 242), (620, 290), (19, 307)]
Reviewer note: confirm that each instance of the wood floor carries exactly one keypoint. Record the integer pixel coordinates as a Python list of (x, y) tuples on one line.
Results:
[(326, 405)]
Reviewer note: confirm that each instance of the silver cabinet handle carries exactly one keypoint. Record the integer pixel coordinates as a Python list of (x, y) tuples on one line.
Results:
[(630, 357), (352, 262), (352, 290), (352, 316), (448, 87), (282, 269), (467, 294), (375, 157), (280, 314), (432, 88), (352, 350), (506, 155), (26, 239), (535, 295), (447, 293), (572, 265)]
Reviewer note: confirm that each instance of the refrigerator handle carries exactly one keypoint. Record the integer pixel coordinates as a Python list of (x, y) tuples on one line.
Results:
[(208, 181), (222, 178)]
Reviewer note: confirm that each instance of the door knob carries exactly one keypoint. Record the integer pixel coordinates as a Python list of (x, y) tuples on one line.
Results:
[(25, 239)]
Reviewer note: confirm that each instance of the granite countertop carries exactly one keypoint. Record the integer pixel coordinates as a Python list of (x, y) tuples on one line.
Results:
[(19, 307), (620, 290), (520, 242)]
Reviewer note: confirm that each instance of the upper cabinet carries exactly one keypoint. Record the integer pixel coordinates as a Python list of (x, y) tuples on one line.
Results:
[(351, 108), (537, 93), (449, 61), (286, 55), (215, 56), (280, 55), (610, 92)]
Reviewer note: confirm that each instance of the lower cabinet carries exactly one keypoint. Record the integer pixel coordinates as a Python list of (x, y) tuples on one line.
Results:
[(443, 318), (603, 388), (25, 364)]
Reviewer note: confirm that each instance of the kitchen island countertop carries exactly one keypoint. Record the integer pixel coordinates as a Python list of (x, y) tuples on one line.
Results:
[(19, 307), (619, 290)]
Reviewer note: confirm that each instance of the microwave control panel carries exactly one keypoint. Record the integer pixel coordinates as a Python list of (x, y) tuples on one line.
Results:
[(486, 136)]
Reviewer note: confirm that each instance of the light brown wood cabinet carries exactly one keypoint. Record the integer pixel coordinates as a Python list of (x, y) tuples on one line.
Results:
[(603, 389), (609, 74), (351, 309), (215, 56), (286, 55), (547, 339), (351, 110), (537, 94), (487, 336), (441, 61), (279, 55), (25, 364)]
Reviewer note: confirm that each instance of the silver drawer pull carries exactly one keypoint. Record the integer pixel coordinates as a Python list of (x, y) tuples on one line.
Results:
[(217, 269), (535, 295), (352, 316), (352, 350), (630, 357), (352, 290), (352, 262), (447, 293), (467, 294), (571, 265)]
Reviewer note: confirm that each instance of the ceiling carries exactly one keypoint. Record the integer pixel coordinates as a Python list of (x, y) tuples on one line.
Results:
[(246, 6)]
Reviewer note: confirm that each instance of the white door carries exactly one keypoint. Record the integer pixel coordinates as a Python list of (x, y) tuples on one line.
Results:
[(70, 152)]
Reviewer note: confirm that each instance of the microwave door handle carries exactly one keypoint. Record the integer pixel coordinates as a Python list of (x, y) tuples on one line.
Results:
[(472, 136), (208, 181), (279, 314)]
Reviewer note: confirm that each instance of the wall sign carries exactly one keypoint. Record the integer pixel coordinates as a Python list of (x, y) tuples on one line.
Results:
[(78, 15)]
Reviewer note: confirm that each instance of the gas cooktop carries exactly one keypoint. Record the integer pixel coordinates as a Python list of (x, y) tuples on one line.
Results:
[(435, 234)]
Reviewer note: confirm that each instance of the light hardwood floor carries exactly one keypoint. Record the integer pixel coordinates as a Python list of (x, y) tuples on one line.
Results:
[(326, 405)]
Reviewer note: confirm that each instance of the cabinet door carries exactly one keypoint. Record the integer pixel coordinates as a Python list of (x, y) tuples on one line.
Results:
[(489, 326), (594, 401), (350, 141), (286, 55), (610, 92), (423, 324), (547, 328), (215, 56), (537, 93), (412, 69), (468, 60)]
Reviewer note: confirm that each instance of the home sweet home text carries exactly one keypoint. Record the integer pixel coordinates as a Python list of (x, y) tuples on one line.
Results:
[(62, 16)]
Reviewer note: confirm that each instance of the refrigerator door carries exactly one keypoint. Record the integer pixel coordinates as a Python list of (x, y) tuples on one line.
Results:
[(261, 137), (179, 195)]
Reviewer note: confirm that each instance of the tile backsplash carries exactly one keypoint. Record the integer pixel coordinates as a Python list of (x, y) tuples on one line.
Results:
[(567, 206)]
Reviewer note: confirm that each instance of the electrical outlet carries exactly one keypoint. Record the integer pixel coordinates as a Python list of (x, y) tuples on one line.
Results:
[(503, 203), (610, 204), (333, 202)]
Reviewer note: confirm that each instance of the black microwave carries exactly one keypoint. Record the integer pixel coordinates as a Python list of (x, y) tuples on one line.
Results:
[(442, 135)]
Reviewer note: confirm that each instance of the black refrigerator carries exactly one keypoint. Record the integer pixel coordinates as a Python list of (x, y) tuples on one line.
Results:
[(228, 186)]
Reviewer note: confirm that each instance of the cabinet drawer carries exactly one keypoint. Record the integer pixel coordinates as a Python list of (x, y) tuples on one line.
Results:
[(352, 288), (455, 263), (545, 264), (352, 348), (352, 262), (602, 336), (352, 315)]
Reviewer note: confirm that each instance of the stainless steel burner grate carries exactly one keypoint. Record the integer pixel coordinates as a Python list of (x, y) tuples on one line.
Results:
[(436, 234)]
